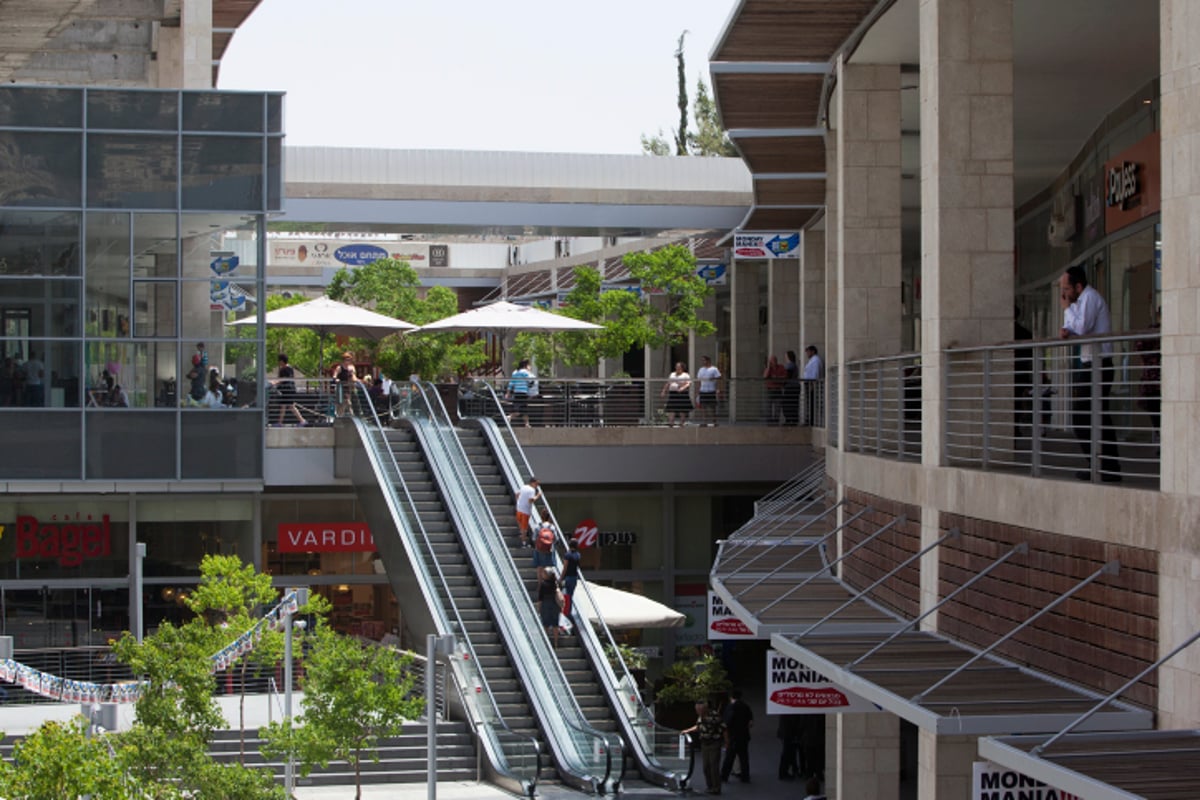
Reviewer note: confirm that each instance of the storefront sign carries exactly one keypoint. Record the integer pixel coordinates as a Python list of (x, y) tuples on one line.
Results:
[(793, 688), (335, 253), (325, 537), (691, 601), (713, 274), (766, 245), (588, 534), (439, 255), (990, 782), (722, 624), (69, 543), (1133, 184)]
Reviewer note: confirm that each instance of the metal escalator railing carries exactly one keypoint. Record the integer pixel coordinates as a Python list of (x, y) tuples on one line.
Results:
[(799, 488), (656, 747), (513, 755), (586, 757)]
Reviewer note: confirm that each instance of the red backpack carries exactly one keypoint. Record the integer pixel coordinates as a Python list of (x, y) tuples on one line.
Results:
[(545, 540)]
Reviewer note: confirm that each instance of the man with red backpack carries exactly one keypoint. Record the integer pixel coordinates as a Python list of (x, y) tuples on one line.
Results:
[(543, 545)]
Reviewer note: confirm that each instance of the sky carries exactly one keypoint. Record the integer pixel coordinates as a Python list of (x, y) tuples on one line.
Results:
[(563, 76)]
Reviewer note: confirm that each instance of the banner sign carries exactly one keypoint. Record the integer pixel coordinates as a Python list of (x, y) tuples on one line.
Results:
[(766, 245), (793, 688), (991, 782), (722, 624), (713, 274), (325, 537), (338, 253)]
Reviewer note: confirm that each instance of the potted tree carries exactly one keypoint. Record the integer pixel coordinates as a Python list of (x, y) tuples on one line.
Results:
[(690, 679)]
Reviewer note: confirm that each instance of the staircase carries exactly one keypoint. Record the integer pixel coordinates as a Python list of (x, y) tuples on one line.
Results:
[(480, 629)]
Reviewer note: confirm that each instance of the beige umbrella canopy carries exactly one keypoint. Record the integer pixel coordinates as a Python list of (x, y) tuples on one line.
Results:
[(503, 316), (621, 610)]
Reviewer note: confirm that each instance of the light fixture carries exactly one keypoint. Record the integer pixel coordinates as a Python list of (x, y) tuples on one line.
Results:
[(168, 594), (342, 587), (314, 571)]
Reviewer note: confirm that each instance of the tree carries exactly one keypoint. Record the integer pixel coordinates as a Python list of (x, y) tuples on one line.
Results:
[(710, 138), (393, 288), (61, 760), (354, 695), (672, 295)]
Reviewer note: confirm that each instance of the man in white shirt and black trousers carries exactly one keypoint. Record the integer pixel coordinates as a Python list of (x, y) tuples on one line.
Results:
[(1086, 314)]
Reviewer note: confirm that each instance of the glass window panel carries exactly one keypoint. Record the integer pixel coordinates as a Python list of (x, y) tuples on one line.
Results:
[(223, 444), (142, 375), (154, 312), (39, 242), (230, 363), (40, 169), (211, 241), (109, 434), (274, 113), (222, 172), (155, 246), (107, 247), (43, 445), (39, 308), (129, 171), (46, 374), (40, 108), (275, 175), (223, 111), (129, 110), (180, 531), (110, 532)]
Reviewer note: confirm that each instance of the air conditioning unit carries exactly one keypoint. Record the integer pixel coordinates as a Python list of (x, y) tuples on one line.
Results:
[(1062, 218)]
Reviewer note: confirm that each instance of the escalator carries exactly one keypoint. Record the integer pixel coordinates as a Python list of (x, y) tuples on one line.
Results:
[(509, 647), (608, 694)]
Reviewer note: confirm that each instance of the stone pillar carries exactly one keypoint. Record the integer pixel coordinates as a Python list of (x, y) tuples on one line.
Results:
[(833, 349), (812, 293), (783, 306), (944, 766), (868, 219), (747, 358), (184, 54), (868, 757), (966, 188), (1179, 561)]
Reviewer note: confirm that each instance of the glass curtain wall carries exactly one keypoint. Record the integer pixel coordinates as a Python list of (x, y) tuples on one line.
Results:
[(114, 288)]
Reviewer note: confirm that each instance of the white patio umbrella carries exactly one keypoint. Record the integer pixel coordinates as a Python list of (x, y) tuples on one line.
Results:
[(503, 316), (622, 610), (324, 316)]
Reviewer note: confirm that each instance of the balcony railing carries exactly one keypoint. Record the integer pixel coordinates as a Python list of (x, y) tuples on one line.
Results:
[(883, 407)]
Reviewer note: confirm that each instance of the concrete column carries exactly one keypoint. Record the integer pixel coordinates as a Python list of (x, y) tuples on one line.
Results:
[(944, 766), (868, 757), (1179, 562), (833, 349), (744, 400), (966, 188), (868, 230), (184, 54), (812, 292), (783, 306)]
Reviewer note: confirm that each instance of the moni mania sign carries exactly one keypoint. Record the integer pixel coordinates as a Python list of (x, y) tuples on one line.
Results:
[(793, 688)]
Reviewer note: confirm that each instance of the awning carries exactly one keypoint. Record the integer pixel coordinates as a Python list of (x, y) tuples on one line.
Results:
[(774, 576)]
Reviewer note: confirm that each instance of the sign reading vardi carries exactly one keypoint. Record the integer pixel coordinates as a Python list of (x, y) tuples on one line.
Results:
[(325, 537), (793, 688)]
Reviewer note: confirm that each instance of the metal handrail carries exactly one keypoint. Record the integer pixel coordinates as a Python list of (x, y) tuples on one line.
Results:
[(788, 491), (493, 721), (476, 526), (518, 466)]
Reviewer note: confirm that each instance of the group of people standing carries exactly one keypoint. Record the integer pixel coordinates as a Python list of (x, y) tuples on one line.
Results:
[(783, 383), (678, 393), (23, 383), (555, 593)]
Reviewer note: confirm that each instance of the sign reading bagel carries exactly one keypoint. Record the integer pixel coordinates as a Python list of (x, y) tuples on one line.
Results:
[(588, 533), (722, 624), (69, 542), (325, 537), (793, 688)]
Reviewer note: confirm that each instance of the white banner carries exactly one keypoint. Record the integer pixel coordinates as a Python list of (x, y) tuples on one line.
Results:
[(338, 253), (766, 245), (992, 782), (793, 688), (722, 624)]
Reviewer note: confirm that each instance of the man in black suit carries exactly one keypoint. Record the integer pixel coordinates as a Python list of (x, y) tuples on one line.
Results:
[(739, 719)]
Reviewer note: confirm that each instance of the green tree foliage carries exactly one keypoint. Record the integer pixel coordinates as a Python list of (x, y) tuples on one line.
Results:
[(60, 760), (393, 288), (302, 347), (710, 138), (354, 695)]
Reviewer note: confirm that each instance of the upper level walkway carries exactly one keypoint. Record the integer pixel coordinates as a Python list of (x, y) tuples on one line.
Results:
[(511, 194)]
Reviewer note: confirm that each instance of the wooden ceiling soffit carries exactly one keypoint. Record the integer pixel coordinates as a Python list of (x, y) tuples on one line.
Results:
[(768, 101), (783, 153), (777, 219), (227, 16), (789, 192), (791, 30)]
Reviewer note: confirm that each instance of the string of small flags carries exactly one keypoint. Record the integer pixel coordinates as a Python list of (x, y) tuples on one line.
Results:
[(70, 691)]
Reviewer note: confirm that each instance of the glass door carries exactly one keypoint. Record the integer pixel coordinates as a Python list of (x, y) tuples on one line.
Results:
[(45, 616)]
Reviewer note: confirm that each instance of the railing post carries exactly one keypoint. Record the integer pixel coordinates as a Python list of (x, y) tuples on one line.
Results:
[(1036, 413), (1095, 435), (986, 421), (878, 408), (902, 409)]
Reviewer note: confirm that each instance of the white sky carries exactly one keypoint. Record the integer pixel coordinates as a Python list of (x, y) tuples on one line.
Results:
[(526, 75)]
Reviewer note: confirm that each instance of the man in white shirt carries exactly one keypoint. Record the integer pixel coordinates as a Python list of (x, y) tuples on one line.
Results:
[(813, 369), (1086, 314), (527, 495), (710, 390)]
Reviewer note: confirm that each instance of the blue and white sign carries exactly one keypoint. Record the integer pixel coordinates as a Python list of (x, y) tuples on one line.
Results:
[(766, 245), (224, 265), (356, 255), (713, 274)]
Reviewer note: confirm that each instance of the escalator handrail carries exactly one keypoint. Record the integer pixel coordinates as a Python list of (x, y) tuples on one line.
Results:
[(592, 641), (365, 430), (536, 641)]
